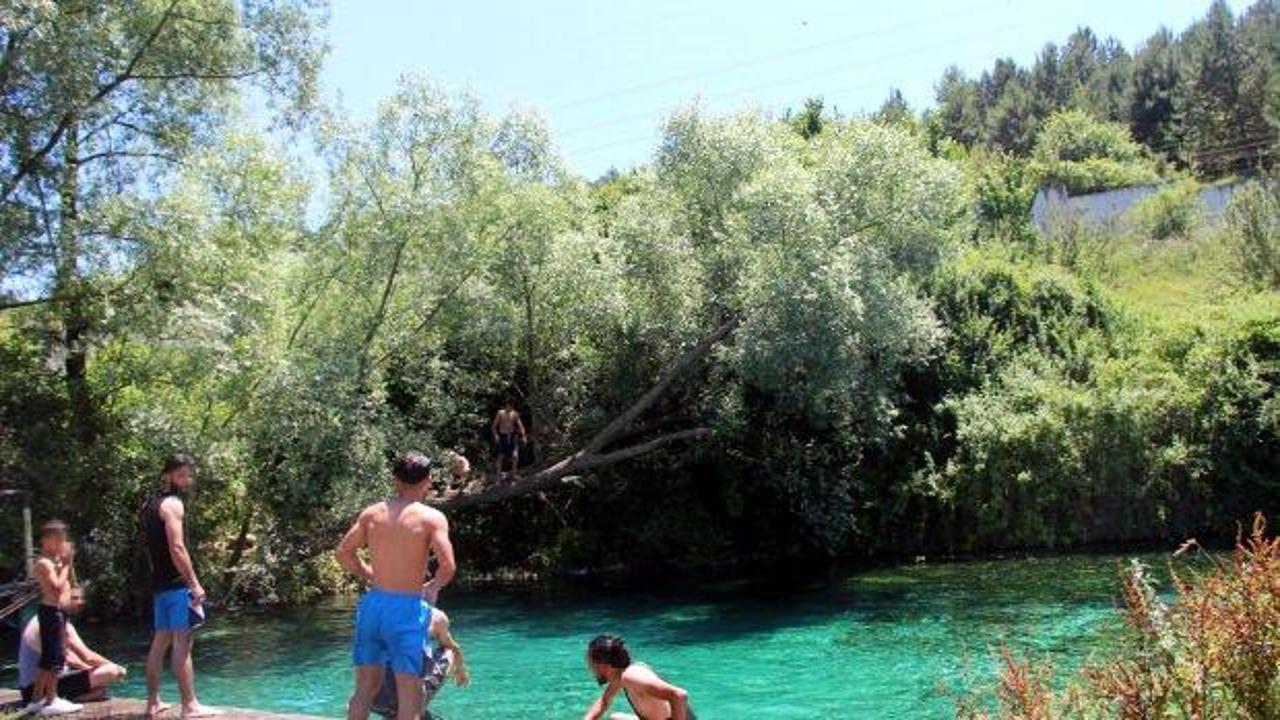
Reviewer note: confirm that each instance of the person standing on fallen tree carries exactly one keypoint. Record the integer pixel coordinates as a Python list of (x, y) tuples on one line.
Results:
[(508, 435)]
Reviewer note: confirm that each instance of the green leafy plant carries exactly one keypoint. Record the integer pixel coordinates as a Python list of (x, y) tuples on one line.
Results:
[(1084, 155), (1253, 231), (1171, 212)]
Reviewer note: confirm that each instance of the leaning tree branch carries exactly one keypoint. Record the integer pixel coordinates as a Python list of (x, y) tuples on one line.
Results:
[(554, 475), (590, 456), (669, 375), (15, 304), (111, 154)]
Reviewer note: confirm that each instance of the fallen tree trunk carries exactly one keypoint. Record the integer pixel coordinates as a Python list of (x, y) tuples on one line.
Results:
[(552, 476), (592, 455)]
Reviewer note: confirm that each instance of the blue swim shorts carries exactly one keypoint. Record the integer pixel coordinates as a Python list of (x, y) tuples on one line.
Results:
[(172, 610), (389, 630)]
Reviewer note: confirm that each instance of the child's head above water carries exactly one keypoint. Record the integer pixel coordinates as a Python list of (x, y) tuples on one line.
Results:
[(607, 656)]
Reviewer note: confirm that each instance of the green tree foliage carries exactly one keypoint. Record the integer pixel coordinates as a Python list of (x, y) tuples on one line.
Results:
[(894, 110), (809, 121), (1065, 429), (809, 338), (1048, 86), (1156, 95), (1012, 124), (1206, 98), (1085, 155), (104, 98), (959, 114), (1006, 190), (1225, 122), (780, 231), (1253, 230)]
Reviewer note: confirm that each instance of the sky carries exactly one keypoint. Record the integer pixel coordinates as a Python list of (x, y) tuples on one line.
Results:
[(605, 73)]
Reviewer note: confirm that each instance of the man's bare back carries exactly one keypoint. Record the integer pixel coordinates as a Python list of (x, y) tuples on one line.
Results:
[(636, 680), (391, 619), (400, 536)]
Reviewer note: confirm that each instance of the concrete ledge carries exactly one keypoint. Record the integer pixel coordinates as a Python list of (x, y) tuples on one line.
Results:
[(11, 704)]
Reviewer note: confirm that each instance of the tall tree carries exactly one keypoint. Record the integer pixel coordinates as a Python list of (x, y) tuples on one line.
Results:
[(894, 110), (1260, 27), (1081, 61), (1225, 124), (1012, 123), (102, 98), (1155, 95), (993, 82), (959, 111), (809, 121), (1048, 86), (1108, 91)]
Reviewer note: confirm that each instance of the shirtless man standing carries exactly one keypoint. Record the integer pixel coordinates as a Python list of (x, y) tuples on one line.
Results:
[(506, 426), (392, 617)]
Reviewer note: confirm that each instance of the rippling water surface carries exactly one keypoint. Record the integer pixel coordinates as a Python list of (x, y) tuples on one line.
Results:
[(893, 643)]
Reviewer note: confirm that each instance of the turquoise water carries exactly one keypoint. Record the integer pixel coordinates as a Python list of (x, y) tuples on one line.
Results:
[(893, 643)]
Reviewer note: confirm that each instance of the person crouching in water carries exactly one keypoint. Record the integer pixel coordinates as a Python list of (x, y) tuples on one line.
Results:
[(442, 658), (650, 697)]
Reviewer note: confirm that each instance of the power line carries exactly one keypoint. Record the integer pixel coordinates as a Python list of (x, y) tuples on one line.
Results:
[(793, 79), (743, 91), (913, 24)]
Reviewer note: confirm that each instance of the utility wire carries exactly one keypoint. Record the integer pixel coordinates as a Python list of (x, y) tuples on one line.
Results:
[(790, 80), (913, 24)]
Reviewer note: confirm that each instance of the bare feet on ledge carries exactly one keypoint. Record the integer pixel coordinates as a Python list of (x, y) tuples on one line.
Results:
[(199, 711)]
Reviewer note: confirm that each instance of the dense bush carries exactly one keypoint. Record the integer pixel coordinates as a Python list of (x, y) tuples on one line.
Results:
[(1253, 230), (1085, 155), (1050, 415), (1171, 212), (1005, 189), (1211, 653)]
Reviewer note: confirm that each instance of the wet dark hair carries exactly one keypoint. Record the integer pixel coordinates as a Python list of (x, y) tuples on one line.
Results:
[(411, 468), (509, 401), (177, 461), (609, 650), (53, 527)]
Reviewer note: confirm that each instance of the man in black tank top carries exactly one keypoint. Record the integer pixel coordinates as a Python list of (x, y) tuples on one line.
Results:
[(176, 591)]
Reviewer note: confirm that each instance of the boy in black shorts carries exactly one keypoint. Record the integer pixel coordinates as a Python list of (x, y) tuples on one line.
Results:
[(87, 674), (53, 573)]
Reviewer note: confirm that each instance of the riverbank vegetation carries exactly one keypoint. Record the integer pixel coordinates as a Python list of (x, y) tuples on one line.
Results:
[(1212, 652), (783, 340)]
